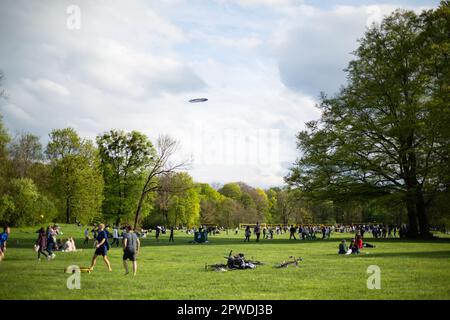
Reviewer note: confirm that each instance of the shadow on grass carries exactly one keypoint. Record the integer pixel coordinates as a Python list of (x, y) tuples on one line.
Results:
[(444, 254)]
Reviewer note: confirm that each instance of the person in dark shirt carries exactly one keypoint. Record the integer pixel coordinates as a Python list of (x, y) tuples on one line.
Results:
[(158, 231), (3, 240), (343, 247), (292, 232), (247, 234), (354, 247), (257, 231), (41, 242), (171, 235), (102, 247)]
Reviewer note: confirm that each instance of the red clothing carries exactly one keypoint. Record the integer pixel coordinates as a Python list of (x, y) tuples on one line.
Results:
[(359, 243)]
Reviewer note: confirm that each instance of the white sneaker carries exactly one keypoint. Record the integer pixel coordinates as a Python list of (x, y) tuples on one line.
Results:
[(48, 258), (53, 256)]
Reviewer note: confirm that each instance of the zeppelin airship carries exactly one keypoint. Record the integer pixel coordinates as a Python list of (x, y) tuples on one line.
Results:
[(197, 100)]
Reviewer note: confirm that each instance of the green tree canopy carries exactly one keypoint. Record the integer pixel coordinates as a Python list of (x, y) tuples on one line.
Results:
[(76, 175), (383, 134)]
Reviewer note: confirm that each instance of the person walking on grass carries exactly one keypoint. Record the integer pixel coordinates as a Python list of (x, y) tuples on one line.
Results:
[(115, 237), (51, 241), (102, 247), (157, 232), (131, 245), (3, 240), (171, 235), (257, 231), (41, 244), (86, 237), (247, 234), (292, 232)]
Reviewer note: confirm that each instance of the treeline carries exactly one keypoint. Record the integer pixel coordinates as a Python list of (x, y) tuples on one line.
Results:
[(72, 179), (78, 180)]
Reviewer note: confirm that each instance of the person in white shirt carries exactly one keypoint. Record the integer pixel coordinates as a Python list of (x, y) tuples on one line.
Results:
[(115, 236)]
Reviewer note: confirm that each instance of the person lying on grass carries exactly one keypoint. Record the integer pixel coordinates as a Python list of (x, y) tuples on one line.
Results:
[(359, 242)]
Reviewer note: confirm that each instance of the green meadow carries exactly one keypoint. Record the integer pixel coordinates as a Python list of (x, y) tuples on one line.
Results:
[(409, 269)]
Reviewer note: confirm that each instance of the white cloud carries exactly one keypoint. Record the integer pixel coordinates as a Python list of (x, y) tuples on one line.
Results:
[(46, 86), (134, 65), (315, 45)]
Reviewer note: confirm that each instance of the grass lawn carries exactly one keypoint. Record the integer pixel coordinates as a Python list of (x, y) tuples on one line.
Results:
[(409, 270)]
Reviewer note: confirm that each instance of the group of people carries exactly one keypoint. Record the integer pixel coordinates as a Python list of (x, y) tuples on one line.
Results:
[(304, 232), (356, 245), (377, 230), (131, 246), (46, 242)]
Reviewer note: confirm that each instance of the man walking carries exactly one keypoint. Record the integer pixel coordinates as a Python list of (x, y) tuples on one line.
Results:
[(257, 231), (102, 247), (131, 245), (292, 232), (171, 235)]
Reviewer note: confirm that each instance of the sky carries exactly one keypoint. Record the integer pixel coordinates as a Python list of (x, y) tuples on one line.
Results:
[(134, 65)]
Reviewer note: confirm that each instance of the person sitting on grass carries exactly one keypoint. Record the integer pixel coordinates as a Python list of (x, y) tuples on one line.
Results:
[(69, 245), (354, 247), (343, 247)]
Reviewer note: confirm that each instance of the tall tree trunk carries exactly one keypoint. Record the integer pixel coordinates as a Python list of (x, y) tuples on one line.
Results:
[(138, 210), (68, 210), (413, 231), (424, 225)]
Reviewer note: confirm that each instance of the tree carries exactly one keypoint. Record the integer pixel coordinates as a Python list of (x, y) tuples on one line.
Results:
[(210, 201), (25, 150), (160, 166), (25, 205), (383, 133), (184, 204), (4, 161), (228, 213), (125, 157), (231, 190), (76, 175), (177, 200)]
